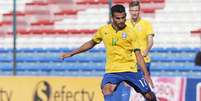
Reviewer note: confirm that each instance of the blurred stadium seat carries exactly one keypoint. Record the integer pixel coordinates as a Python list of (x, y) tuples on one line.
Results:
[(47, 60)]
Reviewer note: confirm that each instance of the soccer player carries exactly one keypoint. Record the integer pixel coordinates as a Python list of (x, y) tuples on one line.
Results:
[(120, 43), (143, 30)]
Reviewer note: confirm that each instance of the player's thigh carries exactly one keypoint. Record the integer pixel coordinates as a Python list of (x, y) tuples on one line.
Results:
[(137, 81)]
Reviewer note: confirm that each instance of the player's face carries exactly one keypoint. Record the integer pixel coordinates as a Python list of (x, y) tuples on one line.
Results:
[(119, 19), (134, 12)]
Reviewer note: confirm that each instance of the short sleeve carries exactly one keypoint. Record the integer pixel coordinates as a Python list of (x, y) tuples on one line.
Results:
[(149, 29), (97, 38)]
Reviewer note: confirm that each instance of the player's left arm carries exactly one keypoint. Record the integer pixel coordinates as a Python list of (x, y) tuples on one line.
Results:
[(141, 63), (150, 34), (150, 44)]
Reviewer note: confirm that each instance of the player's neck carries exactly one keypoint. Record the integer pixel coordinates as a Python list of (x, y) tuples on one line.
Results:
[(136, 20)]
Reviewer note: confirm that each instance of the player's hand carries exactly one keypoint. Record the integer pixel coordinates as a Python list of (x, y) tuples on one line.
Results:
[(66, 55), (149, 80)]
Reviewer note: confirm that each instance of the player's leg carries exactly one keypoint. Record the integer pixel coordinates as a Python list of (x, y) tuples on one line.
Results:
[(148, 69), (109, 84), (137, 81), (107, 91), (122, 92)]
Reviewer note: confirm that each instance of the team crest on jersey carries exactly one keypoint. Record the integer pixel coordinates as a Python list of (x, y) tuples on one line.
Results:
[(124, 35)]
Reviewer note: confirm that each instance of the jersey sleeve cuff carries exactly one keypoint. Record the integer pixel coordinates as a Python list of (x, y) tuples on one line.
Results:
[(136, 49)]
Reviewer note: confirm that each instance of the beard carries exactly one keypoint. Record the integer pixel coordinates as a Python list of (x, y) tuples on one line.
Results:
[(121, 25)]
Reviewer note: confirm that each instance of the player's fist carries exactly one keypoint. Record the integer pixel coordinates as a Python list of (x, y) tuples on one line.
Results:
[(65, 55)]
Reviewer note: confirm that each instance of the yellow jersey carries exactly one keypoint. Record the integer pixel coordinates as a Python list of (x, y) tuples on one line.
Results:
[(143, 29), (119, 48)]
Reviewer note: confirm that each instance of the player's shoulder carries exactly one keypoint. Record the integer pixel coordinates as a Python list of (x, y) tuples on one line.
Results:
[(146, 21), (104, 26)]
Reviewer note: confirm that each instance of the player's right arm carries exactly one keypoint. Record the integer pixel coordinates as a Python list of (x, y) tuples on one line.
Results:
[(86, 46), (97, 38)]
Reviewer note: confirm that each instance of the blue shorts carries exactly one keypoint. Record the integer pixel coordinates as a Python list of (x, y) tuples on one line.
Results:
[(136, 80)]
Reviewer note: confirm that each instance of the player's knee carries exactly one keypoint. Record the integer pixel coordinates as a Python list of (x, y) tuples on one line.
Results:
[(150, 96), (108, 89)]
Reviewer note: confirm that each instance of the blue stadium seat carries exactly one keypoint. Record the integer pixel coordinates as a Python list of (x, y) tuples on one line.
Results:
[(97, 50), (48, 60), (7, 50), (5, 59), (158, 50), (30, 50), (192, 50), (6, 67), (64, 49), (173, 50)]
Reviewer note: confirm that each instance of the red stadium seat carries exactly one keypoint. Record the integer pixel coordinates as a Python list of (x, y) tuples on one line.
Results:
[(158, 4), (37, 4), (1, 23), (145, 1), (121, 1), (103, 1), (67, 12), (158, 1), (17, 14), (74, 31), (43, 22), (35, 32), (59, 1), (196, 32), (87, 31), (86, 1), (37, 7), (19, 32), (61, 32), (100, 1), (8, 25), (48, 32), (22, 32), (148, 11), (1, 29), (9, 16)]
